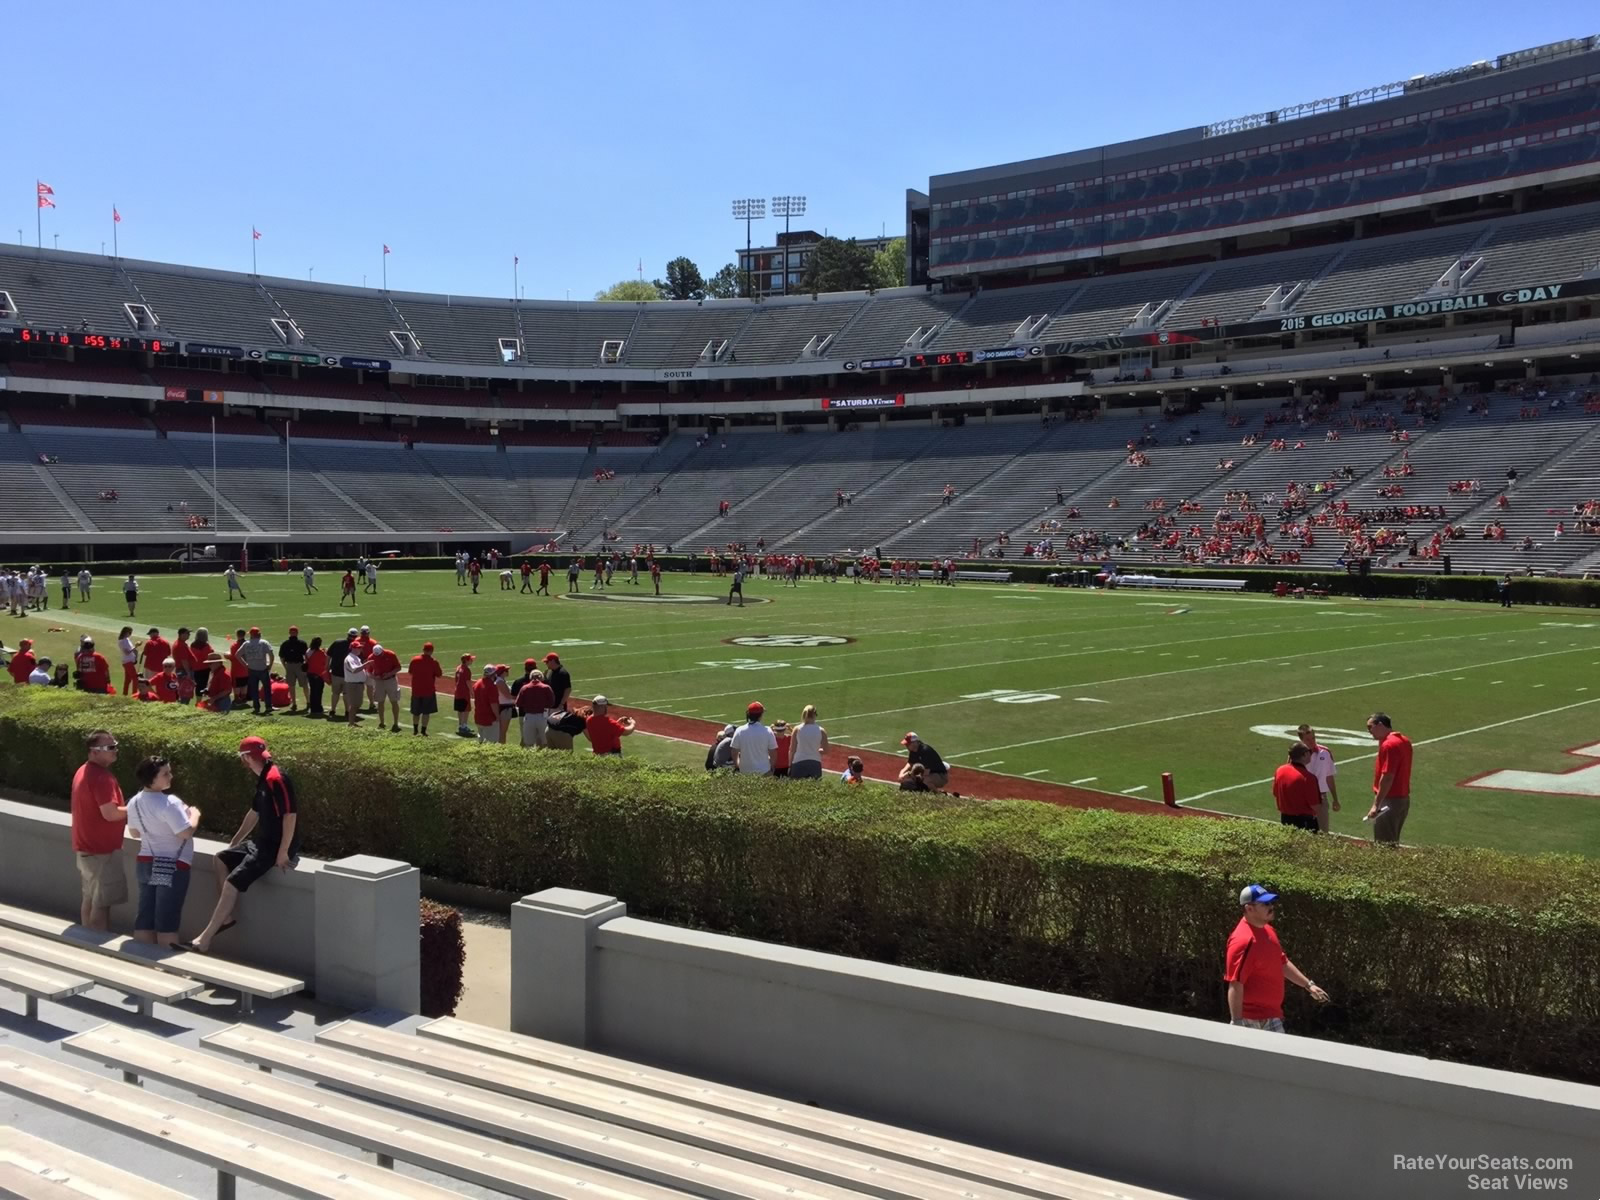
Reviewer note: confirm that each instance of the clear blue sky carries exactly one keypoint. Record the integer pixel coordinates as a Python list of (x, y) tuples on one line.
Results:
[(586, 137)]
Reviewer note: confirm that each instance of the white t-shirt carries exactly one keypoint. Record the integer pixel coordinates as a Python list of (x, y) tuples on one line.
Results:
[(158, 818), (1321, 766), (355, 671), (40, 676), (756, 745), (128, 653), (806, 744), (130, 587)]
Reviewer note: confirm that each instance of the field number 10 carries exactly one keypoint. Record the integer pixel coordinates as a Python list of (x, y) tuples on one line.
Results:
[(1010, 696)]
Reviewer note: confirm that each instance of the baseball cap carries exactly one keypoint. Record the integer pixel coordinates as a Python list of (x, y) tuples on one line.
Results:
[(530, 662), (366, 629), (756, 709), (294, 629), (552, 657), (376, 649), (254, 746), (255, 631), (26, 643), (352, 632), (1256, 894), (601, 700), (909, 738), (427, 647), (469, 657), (728, 731)]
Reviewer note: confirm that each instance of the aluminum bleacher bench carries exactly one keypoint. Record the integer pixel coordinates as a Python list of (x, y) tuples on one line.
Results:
[(34, 1169), (1180, 582), (843, 1165), (249, 982), (905, 1145), (38, 982), (234, 1149), (376, 1128), (641, 1156), (145, 984)]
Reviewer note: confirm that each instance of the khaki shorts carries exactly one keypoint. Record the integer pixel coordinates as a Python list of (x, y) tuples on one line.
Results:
[(387, 689), (105, 883)]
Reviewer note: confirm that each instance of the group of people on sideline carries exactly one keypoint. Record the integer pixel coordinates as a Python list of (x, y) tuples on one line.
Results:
[(1306, 791)]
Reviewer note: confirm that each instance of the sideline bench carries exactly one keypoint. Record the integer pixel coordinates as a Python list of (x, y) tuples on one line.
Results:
[(145, 984), (846, 1167), (249, 982), (969, 1162), (37, 982), (35, 1169), (641, 1156), (234, 1149), (1179, 583)]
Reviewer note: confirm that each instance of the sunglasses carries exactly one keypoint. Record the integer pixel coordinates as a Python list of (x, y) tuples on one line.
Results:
[(109, 746)]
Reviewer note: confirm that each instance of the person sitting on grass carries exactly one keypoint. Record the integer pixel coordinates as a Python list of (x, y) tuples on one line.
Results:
[(605, 732), (268, 837), (855, 772), (916, 780)]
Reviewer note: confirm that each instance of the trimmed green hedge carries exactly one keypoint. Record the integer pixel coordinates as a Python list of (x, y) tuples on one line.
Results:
[(1466, 954), (444, 959)]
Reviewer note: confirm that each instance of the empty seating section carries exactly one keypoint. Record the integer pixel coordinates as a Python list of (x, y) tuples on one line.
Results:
[(93, 372), (448, 437), (674, 334), (476, 397), (392, 485), (144, 471), (24, 499), (1387, 270), (336, 389), (1106, 308), (251, 477), (200, 421), (881, 328), (65, 293), (571, 335), (222, 381), (464, 333), (520, 490), (59, 416), (1540, 250), (993, 316), (597, 504), (344, 320), (1236, 291), (232, 311), (777, 333)]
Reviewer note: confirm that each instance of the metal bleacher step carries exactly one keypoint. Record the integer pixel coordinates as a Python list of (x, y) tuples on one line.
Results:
[(146, 984), (34, 1169)]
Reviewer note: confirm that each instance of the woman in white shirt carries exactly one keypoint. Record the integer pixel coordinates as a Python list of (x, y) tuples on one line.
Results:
[(806, 745), (130, 659), (165, 827)]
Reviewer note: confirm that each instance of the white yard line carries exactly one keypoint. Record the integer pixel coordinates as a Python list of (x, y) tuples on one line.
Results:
[(1143, 787), (1210, 712), (1040, 771), (987, 765), (1444, 737), (1085, 779), (867, 745)]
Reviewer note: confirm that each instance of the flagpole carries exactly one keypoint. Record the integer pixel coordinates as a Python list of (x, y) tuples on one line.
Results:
[(385, 257), (515, 261), (38, 215), (115, 252)]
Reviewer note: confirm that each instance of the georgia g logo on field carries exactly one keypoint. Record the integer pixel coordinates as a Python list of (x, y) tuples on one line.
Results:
[(789, 640)]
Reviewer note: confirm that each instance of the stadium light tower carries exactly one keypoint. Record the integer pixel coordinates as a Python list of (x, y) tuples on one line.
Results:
[(753, 209), (786, 207)]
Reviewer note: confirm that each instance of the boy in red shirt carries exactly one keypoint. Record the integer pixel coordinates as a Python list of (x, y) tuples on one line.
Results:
[(22, 662), (1256, 966), (425, 672), (183, 656), (1295, 790), (780, 756), (463, 695)]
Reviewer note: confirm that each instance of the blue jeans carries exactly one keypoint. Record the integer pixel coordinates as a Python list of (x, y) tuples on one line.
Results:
[(259, 691), (160, 908)]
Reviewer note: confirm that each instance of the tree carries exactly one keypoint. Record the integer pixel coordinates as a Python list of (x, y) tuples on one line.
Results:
[(838, 266), (683, 281), (889, 265), (633, 290), (725, 284)]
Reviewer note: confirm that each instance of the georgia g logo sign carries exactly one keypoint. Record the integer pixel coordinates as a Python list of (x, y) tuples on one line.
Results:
[(789, 640)]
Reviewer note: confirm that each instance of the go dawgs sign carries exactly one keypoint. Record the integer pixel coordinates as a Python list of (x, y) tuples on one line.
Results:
[(1583, 780)]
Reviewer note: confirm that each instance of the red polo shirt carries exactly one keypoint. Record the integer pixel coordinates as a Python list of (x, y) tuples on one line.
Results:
[(182, 656), (1296, 791), (1394, 754), (1256, 958), (22, 664), (425, 672), (93, 786), (604, 733), (154, 653), (384, 664), (463, 682), (485, 702)]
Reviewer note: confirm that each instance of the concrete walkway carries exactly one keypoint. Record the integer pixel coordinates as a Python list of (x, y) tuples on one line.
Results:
[(486, 998)]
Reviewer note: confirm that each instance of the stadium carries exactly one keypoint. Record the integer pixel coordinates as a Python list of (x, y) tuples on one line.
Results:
[(1169, 448)]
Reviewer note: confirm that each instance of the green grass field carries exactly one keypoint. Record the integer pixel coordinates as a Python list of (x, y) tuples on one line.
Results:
[(1064, 686)]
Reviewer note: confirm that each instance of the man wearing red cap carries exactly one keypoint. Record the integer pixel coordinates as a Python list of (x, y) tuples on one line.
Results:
[(754, 744), (937, 773), (268, 837), (463, 695), (22, 662), (425, 672)]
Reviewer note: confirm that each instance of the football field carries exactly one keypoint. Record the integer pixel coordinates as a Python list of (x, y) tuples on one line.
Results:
[(1102, 690)]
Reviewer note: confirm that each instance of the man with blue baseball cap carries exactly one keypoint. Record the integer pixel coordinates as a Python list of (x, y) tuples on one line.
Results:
[(1257, 966)]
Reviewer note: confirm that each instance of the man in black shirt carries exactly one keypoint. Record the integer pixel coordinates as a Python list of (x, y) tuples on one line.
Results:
[(559, 679), (268, 837), (935, 774), (292, 654), (337, 653)]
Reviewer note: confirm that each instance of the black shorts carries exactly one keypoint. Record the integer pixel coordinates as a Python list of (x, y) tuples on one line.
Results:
[(246, 863), (422, 706), (462, 705)]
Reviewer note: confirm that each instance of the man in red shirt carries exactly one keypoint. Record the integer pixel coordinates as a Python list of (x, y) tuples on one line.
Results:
[(544, 579), (655, 575), (605, 732), (94, 674), (236, 667), (22, 662), (486, 705), (463, 695), (219, 691), (534, 702), (527, 575), (1256, 966), (1295, 789), (383, 677), (1391, 781), (99, 820), (183, 657), (154, 652), (165, 682), (425, 672), (474, 573)]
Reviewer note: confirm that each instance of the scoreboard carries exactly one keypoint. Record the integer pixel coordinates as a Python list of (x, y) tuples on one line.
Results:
[(86, 340)]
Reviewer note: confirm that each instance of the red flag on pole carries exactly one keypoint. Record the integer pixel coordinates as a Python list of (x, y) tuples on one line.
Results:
[(45, 192), (386, 248), (255, 234), (115, 215)]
